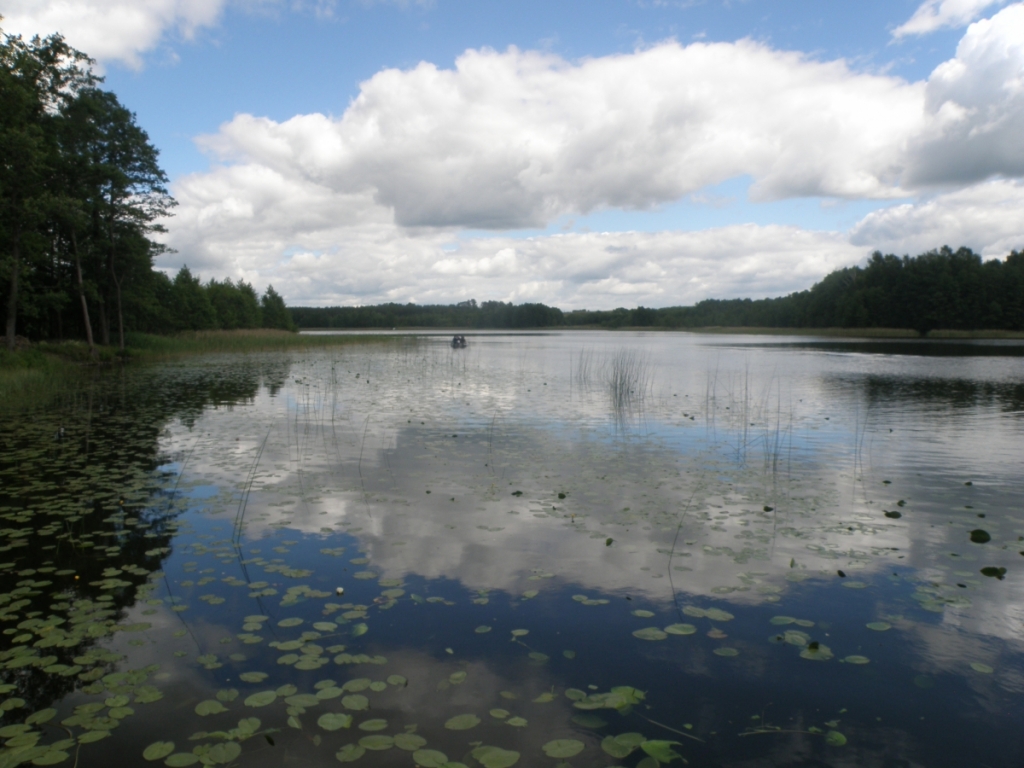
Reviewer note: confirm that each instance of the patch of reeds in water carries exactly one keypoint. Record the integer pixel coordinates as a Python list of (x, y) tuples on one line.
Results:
[(629, 379)]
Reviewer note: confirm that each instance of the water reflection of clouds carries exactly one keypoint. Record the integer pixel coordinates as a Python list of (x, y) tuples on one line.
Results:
[(352, 454)]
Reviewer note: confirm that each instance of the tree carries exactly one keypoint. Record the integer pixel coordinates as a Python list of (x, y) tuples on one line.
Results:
[(36, 80), (275, 313), (191, 307), (123, 191)]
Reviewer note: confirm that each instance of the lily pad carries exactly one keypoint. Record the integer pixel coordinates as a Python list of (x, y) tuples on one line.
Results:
[(350, 753), (661, 750), (495, 757), (261, 699), (563, 748), (210, 707), (253, 677), (222, 754), (429, 758), (373, 725), (680, 629), (482, 629), (332, 721), (158, 750), (181, 760), (856, 659), (716, 614), (377, 742), (622, 745), (984, 669), (643, 614), (356, 702), (650, 633), (726, 652), (835, 739), (462, 722), (292, 622), (879, 626), (980, 536), (410, 742)]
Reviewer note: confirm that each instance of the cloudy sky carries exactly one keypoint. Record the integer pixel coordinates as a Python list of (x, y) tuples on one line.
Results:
[(582, 153)]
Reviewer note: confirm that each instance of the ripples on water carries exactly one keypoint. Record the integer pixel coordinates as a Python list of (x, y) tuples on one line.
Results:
[(759, 548)]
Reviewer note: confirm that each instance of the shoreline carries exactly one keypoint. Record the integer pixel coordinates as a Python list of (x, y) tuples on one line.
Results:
[(868, 333)]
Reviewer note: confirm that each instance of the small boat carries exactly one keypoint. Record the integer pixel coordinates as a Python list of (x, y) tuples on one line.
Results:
[(458, 341)]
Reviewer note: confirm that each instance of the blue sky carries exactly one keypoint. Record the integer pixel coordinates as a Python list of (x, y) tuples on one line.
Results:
[(602, 153)]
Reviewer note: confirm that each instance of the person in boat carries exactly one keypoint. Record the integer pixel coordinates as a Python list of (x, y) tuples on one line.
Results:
[(458, 341)]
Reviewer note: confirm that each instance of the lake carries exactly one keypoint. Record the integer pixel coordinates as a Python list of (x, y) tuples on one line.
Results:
[(545, 549)]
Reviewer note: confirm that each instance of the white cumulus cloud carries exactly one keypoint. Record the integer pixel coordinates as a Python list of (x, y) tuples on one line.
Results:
[(985, 217), (111, 30), (975, 108), (933, 15), (512, 139)]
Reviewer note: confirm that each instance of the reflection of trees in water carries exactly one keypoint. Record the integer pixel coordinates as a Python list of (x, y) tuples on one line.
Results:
[(82, 491), (951, 393)]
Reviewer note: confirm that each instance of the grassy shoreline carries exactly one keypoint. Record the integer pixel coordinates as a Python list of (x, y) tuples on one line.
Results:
[(37, 370)]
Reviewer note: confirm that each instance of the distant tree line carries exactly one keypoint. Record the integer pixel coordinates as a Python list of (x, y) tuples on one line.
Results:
[(465, 314), (81, 194), (945, 289)]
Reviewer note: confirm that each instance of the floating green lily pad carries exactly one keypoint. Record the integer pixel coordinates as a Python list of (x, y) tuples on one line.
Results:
[(158, 750), (350, 753), (261, 699), (650, 633), (410, 742), (563, 748), (680, 629), (377, 742), (495, 757), (332, 721), (356, 702), (482, 629), (181, 760), (292, 622), (984, 669), (462, 722), (879, 626), (429, 758), (726, 652), (211, 707), (642, 613), (661, 750), (835, 739), (856, 659), (373, 725)]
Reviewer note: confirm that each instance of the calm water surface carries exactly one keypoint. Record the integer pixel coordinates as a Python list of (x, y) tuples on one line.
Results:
[(584, 549)]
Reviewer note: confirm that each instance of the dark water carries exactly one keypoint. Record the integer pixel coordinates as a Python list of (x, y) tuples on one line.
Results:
[(821, 527)]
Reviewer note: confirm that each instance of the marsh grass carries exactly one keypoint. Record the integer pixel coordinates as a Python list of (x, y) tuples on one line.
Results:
[(146, 346), (629, 379)]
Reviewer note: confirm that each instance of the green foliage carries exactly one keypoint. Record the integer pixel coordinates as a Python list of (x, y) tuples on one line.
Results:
[(275, 314), (466, 314)]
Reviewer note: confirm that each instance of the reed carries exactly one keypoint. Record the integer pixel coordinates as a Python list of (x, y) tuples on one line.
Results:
[(629, 379)]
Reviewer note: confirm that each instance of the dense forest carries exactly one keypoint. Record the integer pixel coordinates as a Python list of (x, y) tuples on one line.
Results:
[(81, 195), (954, 290)]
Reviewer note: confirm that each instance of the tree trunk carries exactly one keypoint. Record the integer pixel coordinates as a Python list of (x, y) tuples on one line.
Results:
[(81, 295), (104, 324), (12, 295), (120, 313)]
